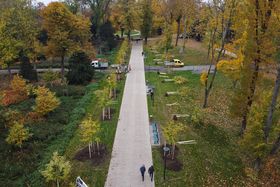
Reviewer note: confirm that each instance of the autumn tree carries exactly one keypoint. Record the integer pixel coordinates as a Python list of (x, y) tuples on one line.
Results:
[(18, 134), (66, 32), (16, 92), (224, 13), (90, 130), (253, 137), (17, 30), (103, 101), (273, 103), (146, 19), (112, 84), (258, 50), (171, 133), (58, 169), (45, 101)]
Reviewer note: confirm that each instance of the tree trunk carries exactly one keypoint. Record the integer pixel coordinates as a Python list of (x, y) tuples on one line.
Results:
[(276, 146), (250, 96), (89, 150), (128, 35), (62, 67), (173, 151), (209, 88), (185, 33), (146, 40), (109, 112), (57, 183), (257, 164), (122, 31), (272, 106), (103, 113), (178, 29), (98, 148)]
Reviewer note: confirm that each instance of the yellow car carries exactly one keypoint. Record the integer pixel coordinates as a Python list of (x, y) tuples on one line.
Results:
[(177, 63)]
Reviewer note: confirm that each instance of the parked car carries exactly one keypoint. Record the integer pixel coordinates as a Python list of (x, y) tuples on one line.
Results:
[(99, 64), (174, 63)]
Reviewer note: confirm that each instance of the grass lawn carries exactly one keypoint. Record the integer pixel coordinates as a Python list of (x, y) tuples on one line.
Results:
[(194, 53), (215, 159)]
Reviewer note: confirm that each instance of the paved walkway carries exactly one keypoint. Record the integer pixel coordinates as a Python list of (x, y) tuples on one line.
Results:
[(132, 146)]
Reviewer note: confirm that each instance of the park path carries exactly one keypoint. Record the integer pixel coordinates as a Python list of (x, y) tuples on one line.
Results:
[(132, 146)]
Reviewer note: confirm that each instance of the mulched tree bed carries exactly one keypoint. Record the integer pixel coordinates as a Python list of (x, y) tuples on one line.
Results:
[(175, 164), (96, 158)]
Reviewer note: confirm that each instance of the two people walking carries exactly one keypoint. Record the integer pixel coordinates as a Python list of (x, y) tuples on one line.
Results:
[(150, 171)]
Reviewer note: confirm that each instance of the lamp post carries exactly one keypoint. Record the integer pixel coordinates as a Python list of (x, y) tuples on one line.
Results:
[(165, 150)]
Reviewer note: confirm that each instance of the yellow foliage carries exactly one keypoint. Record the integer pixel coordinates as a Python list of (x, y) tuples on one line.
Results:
[(203, 78), (46, 101), (180, 80), (90, 130), (57, 169), (18, 134)]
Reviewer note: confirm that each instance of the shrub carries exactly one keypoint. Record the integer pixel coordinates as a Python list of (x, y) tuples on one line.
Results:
[(46, 101), (50, 77), (180, 80), (17, 92), (18, 134), (80, 71)]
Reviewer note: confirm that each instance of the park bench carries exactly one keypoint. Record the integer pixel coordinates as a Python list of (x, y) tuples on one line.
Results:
[(155, 134)]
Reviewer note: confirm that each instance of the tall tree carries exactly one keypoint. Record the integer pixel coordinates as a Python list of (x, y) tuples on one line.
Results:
[(272, 107), (258, 51), (66, 32), (99, 9), (17, 31), (224, 12), (147, 19)]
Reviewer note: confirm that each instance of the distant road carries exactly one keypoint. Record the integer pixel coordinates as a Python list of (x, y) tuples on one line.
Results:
[(195, 69), (39, 70)]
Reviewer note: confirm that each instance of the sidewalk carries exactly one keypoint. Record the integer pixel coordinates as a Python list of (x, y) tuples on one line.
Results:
[(132, 146)]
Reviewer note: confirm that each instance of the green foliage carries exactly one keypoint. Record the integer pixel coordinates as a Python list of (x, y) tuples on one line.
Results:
[(26, 70), (253, 140), (61, 142), (18, 134), (147, 19), (58, 169), (120, 58), (106, 34), (80, 71), (50, 77), (17, 31)]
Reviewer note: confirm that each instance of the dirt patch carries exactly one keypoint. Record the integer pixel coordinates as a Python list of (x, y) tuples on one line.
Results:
[(97, 157), (172, 164)]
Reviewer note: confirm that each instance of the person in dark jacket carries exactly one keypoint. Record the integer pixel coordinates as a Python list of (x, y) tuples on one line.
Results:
[(151, 172), (143, 170)]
